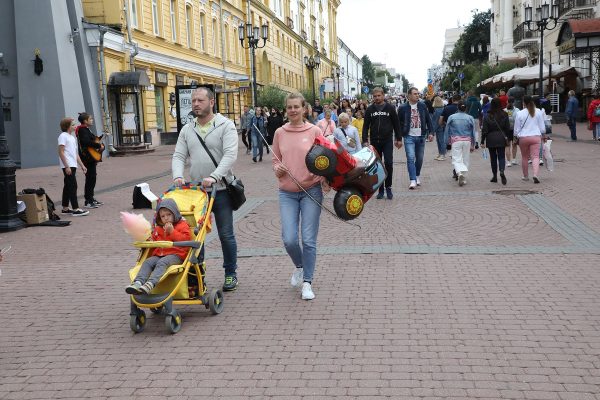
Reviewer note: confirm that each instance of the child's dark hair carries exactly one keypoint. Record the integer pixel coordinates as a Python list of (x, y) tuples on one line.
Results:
[(83, 116), (461, 106)]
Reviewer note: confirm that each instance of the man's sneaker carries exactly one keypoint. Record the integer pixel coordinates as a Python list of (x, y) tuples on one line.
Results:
[(98, 203), (307, 292), (461, 180), (79, 212), (67, 211), (388, 192), (541, 162), (418, 181), (524, 178), (413, 185), (509, 164), (230, 283), (297, 277), (134, 288), (146, 287), (380, 195), (514, 162), (90, 205)]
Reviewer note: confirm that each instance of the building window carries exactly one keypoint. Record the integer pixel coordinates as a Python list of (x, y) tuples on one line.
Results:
[(188, 25), (133, 13), (236, 47), (173, 12), (214, 37), (202, 31), (155, 17)]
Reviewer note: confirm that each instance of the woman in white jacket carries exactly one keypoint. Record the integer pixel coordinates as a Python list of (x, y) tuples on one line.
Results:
[(530, 130)]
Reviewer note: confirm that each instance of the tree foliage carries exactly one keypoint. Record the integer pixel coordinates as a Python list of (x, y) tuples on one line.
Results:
[(476, 33), (368, 71), (272, 96)]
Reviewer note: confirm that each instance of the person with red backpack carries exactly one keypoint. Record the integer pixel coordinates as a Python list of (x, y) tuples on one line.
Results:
[(593, 115)]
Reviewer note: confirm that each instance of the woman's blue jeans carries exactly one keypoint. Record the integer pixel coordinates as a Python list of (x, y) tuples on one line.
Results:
[(257, 144), (300, 213), (414, 146)]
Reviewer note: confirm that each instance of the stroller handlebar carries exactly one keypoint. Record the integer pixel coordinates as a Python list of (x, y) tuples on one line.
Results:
[(166, 244)]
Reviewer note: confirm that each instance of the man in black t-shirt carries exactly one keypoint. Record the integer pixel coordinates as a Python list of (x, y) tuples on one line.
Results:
[(318, 108)]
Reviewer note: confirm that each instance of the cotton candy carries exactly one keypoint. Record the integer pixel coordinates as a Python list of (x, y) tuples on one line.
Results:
[(136, 225)]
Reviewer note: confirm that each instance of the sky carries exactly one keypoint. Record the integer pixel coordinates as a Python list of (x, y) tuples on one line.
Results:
[(405, 35)]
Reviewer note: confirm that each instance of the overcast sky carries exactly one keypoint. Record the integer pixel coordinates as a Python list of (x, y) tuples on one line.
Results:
[(405, 35)]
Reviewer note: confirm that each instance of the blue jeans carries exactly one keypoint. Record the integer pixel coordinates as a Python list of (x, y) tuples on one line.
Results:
[(257, 144), (440, 138), (572, 124), (224, 221), (299, 212), (415, 150)]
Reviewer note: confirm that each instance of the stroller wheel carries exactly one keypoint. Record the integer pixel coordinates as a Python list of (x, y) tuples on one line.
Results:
[(137, 322), (215, 301), (173, 323)]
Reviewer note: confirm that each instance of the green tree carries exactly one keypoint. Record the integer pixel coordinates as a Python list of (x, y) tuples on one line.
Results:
[(272, 96), (475, 34), (368, 71)]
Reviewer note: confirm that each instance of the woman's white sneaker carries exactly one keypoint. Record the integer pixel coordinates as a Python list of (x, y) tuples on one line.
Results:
[(307, 292), (297, 277)]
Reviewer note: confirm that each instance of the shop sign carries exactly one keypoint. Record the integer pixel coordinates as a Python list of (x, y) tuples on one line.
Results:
[(566, 47), (161, 78)]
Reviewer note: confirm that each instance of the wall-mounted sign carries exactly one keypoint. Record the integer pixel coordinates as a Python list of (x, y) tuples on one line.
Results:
[(161, 79)]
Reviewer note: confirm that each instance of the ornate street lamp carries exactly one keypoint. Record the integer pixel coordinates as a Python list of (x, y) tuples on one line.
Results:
[(546, 19), (479, 50), (313, 62), (253, 34)]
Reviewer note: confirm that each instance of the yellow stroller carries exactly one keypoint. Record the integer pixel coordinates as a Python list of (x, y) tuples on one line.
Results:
[(182, 283)]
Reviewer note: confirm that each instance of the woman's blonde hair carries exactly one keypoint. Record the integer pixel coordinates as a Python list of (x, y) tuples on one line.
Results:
[(438, 102), (295, 95), (344, 116)]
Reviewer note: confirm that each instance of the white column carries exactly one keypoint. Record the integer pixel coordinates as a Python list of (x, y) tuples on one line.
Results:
[(507, 34)]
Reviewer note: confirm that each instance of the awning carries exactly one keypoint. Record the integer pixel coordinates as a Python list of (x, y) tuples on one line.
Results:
[(135, 78), (528, 74)]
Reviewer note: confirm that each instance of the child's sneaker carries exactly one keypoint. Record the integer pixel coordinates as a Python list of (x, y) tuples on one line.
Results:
[(79, 212), (134, 288), (147, 287), (297, 277)]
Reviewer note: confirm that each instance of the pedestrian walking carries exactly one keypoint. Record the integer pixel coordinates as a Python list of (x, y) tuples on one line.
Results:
[(494, 136), (90, 152), (244, 122), (274, 122), (215, 134), (440, 137), (460, 131), (416, 127), (347, 135), (530, 130), (358, 121), (382, 130), (259, 130), (513, 145), (572, 110), (300, 193), (318, 108), (68, 157), (593, 115), (326, 125)]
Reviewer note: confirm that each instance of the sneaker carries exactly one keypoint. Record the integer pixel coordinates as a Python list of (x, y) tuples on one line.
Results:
[(494, 180), (134, 288), (509, 164), (541, 162), (230, 283), (413, 185), (388, 192), (536, 180), (254, 159), (442, 158), (529, 162), (307, 292), (380, 195), (79, 212), (98, 203), (67, 211), (418, 181), (461, 180), (297, 277), (90, 205), (247, 151), (524, 178), (454, 175), (146, 287), (514, 162), (503, 178)]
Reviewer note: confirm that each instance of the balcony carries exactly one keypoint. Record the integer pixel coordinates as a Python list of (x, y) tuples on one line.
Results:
[(304, 35), (315, 44), (523, 37), (576, 9), (289, 22)]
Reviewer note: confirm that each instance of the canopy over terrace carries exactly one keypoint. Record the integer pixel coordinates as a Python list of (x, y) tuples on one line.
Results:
[(528, 75)]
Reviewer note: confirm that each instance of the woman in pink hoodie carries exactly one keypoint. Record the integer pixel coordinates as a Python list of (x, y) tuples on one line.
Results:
[(299, 203)]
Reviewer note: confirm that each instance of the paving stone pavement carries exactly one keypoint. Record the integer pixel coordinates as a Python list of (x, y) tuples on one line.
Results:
[(441, 293)]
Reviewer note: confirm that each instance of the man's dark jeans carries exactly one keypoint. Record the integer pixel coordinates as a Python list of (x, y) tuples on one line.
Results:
[(571, 123), (386, 152)]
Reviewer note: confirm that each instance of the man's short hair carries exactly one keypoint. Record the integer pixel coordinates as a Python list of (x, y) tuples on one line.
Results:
[(571, 93), (209, 93), (65, 123), (378, 89), (411, 89)]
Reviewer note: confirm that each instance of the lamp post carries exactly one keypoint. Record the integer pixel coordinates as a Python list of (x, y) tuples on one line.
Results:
[(8, 187), (456, 66), (479, 50), (313, 62), (546, 19), (253, 34)]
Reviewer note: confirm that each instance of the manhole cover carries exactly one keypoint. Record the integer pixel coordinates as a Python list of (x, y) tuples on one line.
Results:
[(514, 192)]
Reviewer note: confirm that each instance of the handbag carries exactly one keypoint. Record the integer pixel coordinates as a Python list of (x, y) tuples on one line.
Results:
[(235, 188)]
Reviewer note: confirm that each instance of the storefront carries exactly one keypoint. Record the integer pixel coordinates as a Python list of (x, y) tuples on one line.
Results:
[(126, 108)]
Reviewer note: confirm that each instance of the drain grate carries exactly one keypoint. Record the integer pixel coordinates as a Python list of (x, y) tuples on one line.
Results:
[(514, 192)]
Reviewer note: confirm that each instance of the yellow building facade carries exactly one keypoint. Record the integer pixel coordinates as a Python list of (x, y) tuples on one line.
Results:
[(178, 42)]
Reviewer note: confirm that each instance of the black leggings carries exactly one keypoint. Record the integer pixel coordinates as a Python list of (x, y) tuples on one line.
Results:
[(69, 193), (245, 137), (90, 180), (497, 156)]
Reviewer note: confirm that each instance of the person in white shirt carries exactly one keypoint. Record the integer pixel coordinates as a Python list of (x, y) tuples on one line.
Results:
[(69, 158), (530, 130)]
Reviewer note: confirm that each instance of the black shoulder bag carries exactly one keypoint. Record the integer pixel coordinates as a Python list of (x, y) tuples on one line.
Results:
[(235, 189)]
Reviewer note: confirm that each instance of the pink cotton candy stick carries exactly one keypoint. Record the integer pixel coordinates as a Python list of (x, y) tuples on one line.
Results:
[(136, 225)]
